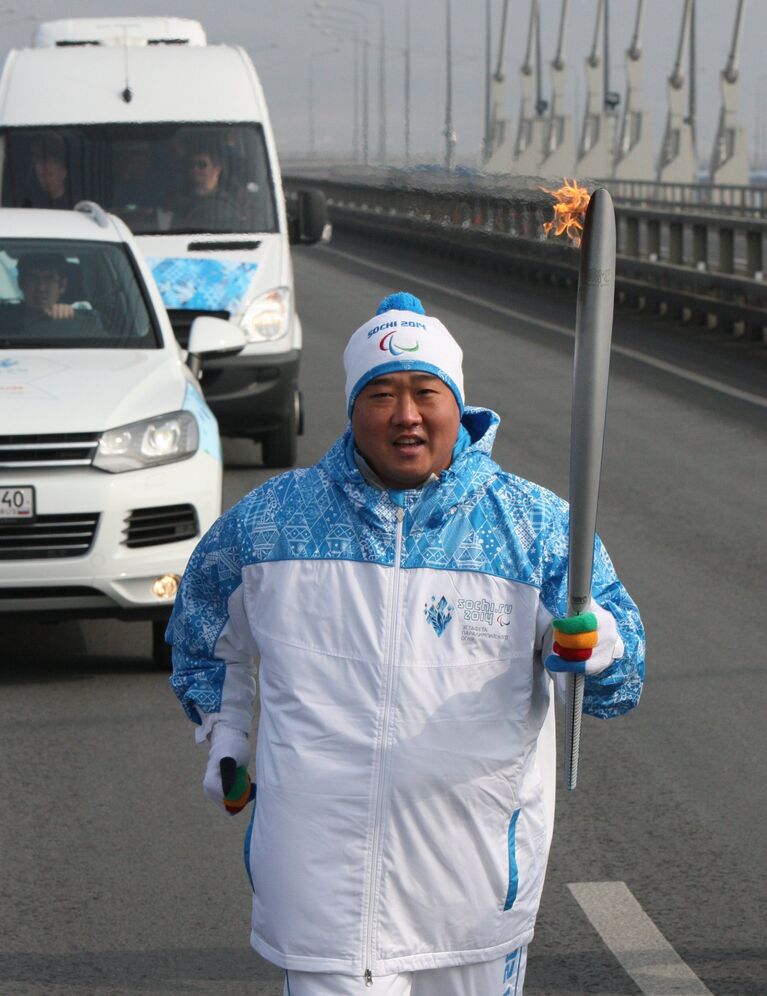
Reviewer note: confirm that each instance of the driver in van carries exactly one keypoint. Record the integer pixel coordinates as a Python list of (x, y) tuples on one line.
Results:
[(208, 203)]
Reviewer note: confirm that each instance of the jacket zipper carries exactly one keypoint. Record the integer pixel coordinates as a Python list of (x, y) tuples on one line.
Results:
[(393, 637)]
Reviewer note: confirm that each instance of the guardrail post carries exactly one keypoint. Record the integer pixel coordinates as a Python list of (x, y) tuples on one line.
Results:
[(726, 250), (632, 236), (700, 246), (754, 254), (676, 242), (653, 240)]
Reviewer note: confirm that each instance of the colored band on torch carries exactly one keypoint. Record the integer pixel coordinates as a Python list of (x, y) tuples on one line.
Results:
[(556, 664), (577, 641), (240, 794), (583, 623), (567, 654)]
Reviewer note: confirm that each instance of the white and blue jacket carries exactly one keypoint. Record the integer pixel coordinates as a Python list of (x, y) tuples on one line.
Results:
[(405, 754)]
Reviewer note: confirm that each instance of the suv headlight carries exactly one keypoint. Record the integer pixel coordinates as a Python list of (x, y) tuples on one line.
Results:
[(148, 443), (268, 317)]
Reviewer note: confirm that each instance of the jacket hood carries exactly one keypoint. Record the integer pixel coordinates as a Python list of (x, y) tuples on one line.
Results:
[(471, 471)]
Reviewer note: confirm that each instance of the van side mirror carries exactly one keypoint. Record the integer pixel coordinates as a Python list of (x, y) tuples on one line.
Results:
[(308, 217), (210, 336)]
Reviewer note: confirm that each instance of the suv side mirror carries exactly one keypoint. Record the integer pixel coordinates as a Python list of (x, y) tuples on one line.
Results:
[(209, 336), (309, 218)]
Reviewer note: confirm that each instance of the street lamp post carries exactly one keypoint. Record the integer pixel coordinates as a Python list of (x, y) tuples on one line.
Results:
[(407, 82), (326, 11), (381, 79), (312, 130), (449, 133)]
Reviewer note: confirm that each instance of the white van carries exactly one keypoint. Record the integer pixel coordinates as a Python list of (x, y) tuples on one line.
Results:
[(172, 135), (110, 460)]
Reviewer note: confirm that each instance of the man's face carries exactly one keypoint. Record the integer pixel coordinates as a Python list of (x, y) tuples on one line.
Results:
[(42, 288), (52, 176), (405, 424), (205, 174)]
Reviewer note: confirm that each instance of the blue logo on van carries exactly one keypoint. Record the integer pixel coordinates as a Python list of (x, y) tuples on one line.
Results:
[(202, 284)]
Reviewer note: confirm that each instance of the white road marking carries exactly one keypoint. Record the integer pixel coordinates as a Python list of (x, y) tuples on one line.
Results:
[(700, 379), (635, 941)]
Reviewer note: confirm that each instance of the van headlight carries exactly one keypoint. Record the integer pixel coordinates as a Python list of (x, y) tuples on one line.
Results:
[(268, 317), (148, 443)]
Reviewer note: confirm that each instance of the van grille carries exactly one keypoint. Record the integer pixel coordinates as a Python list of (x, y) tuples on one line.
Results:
[(166, 524), (48, 536), (68, 449)]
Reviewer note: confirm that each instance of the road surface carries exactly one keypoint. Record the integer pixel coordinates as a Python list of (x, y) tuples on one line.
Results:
[(118, 877)]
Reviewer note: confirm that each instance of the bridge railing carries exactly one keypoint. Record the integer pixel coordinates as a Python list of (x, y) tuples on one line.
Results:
[(691, 264), (701, 196)]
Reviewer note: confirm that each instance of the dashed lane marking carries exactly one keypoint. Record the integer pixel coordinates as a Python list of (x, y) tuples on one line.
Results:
[(635, 941), (651, 361)]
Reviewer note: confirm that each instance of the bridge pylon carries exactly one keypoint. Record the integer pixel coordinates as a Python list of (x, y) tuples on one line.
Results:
[(633, 150), (729, 155), (677, 159), (558, 153)]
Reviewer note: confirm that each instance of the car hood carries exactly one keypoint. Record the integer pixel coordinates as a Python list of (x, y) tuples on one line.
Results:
[(85, 390), (213, 273)]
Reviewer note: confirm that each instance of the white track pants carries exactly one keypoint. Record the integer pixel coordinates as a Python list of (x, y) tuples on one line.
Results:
[(502, 977)]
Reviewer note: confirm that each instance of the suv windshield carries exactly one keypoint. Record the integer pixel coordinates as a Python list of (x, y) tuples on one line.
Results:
[(160, 178), (57, 293)]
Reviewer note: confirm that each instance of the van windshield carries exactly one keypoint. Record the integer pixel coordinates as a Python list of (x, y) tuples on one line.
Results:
[(71, 294), (159, 178)]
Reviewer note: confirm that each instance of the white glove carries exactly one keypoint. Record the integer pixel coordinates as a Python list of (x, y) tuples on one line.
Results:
[(225, 741), (585, 644)]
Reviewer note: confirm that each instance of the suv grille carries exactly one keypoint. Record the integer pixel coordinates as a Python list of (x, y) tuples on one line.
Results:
[(48, 536), (68, 449), (166, 524)]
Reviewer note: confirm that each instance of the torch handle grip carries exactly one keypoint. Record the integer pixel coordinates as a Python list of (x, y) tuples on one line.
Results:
[(573, 712)]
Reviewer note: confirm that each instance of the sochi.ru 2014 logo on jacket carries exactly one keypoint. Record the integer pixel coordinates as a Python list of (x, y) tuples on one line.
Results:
[(438, 614), (480, 616)]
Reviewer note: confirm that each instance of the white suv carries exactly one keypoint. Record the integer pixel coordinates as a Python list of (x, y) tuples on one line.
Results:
[(110, 459)]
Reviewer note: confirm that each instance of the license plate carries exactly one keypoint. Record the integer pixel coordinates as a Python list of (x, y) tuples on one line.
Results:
[(17, 503)]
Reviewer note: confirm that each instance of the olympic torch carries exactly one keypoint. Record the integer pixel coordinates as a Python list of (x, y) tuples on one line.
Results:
[(591, 367)]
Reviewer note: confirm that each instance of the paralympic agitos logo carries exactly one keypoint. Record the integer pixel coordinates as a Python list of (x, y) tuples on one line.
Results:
[(396, 344)]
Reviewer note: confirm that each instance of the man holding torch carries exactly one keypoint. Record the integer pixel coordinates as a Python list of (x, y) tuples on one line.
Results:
[(405, 596)]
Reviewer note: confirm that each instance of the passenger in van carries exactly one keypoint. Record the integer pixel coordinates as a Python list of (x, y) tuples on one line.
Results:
[(51, 177), (131, 179), (208, 204)]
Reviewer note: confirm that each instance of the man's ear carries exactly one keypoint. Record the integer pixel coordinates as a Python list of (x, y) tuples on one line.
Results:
[(62, 284)]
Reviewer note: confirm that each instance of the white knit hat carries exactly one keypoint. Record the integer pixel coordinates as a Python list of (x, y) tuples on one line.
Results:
[(402, 337)]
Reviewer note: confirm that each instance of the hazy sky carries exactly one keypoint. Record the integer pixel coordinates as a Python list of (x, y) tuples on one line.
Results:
[(290, 52)]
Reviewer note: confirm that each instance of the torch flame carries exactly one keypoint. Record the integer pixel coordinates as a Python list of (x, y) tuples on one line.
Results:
[(569, 210)]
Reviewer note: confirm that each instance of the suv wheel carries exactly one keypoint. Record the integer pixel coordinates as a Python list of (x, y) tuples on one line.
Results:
[(280, 446), (161, 652)]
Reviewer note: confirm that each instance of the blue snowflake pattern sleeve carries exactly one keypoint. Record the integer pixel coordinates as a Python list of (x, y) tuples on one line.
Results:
[(201, 613), (617, 689)]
